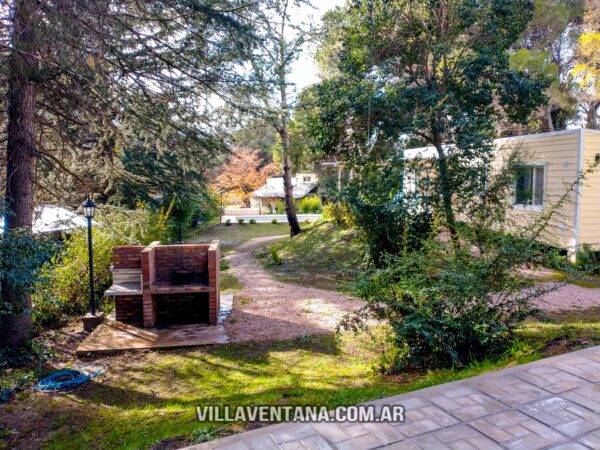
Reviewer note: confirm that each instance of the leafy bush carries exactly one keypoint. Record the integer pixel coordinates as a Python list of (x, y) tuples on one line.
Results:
[(446, 307), (280, 207), (240, 221), (338, 213), (311, 204), (588, 259), (274, 221), (275, 257), (62, 290), (252, 221), (228, 222)]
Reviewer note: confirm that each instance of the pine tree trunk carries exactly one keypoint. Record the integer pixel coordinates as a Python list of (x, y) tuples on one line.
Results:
[(20, 159)]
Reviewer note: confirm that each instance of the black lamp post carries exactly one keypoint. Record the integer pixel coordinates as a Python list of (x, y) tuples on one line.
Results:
[(89, 209)]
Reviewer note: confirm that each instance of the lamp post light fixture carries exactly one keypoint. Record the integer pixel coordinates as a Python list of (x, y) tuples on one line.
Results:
[(91, 320)]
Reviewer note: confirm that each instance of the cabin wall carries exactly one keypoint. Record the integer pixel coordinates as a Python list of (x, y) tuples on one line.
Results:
[(589, 213), (559, 153)]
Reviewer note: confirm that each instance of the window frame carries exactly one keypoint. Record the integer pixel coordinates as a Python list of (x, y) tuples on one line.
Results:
[(532, 207)]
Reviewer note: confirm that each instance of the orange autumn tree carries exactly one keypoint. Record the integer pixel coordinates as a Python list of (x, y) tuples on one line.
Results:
[(243, 173)]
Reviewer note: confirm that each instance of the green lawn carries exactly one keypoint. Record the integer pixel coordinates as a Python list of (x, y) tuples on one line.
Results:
[(149, 398), (324, 255), (235, 234)]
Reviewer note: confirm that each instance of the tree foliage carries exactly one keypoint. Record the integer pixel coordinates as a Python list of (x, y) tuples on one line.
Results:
[(88, 81), (587, 65), (444, 85), (242, 174)]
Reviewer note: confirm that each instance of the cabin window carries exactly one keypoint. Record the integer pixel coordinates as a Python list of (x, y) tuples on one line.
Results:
[(306, 179), (529, 186)]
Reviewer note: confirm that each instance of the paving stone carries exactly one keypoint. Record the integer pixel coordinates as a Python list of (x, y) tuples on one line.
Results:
[(239, 445), (424, 418), (355, 430), (262, 442), (587, 396), (293, 432), (332, 432), (467, 404), (570, 446), (316, 443), (551, 379), (465, 437), (366, 442), (385, 432), (563, 415), (510, 390), (424, 442), (580, 366), (498, 427), (592, 440)]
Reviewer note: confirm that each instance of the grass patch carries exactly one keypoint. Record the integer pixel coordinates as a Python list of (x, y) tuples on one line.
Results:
[(229, 283), (324, 255), (146, 399), (234, 235), (589, 282)]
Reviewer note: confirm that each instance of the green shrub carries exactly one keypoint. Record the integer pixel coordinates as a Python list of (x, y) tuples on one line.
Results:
[(275, 258), (338, 213), (310, 205), (62, 290), (65, 291), (228, 222), (274, 221), (280, 207), (448, 307), (588, 259), (252, 221), (240, 221)]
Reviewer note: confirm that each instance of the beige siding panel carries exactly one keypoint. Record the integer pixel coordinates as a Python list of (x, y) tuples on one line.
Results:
[(559, 153), (589, 229)]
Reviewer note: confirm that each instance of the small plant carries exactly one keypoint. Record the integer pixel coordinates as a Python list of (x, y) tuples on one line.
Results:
[(306, 221), (241, 221), (275, 256), (310, 205), (279, 207), (228, 222), (274, 221), (252, 221), (224, 264)]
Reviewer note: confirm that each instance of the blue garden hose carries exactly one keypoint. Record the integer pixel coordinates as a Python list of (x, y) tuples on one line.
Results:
[(65, 380)]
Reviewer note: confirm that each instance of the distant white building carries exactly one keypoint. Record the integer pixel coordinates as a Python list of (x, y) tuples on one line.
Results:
[(304, 183), (50, 219)]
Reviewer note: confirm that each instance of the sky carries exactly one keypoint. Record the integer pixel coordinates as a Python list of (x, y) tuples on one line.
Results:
[(304, 71)]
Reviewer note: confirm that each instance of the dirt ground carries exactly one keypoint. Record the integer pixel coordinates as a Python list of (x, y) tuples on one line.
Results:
[(267, 309)]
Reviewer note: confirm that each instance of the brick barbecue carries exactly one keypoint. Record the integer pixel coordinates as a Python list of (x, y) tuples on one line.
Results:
[(166, 284)]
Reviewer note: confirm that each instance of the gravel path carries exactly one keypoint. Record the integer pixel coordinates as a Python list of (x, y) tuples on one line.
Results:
[(267, 309), (568, 297)]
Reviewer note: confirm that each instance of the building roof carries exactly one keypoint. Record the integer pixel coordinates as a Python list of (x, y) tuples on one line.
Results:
[(53, 219), (274, 188), (430, 152)]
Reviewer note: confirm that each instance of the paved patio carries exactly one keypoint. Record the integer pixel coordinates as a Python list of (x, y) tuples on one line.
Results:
[(548, 404)]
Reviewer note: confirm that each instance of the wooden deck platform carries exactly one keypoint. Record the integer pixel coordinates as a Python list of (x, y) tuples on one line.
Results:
[(113, 336)]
